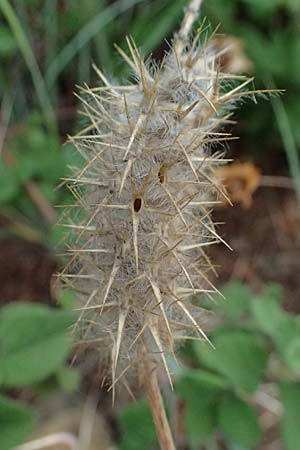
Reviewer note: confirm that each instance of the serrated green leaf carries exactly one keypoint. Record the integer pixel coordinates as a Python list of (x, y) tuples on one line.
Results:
[(239, 356), (34, 343), (238, 421), (200, 422), (208, 383), (200, 391), (137, 428), (16, 422), (290, 430), (276, 323), (32, 364)]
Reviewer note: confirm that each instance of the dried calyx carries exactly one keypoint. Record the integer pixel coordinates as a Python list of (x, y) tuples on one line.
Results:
[(141, 223)]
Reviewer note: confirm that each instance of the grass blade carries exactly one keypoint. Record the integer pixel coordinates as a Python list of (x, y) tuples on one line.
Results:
[(84, 36), (142, 30), (292, 154), (31, 63), (102, 45), (50, 21)]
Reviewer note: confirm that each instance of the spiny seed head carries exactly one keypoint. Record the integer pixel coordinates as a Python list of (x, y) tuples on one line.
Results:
[(141, 225)]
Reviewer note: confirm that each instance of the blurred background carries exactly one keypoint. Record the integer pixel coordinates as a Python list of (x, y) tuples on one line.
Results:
[(244, 395)]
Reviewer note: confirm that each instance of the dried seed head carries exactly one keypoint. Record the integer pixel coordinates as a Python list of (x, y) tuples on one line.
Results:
[(141, 225)]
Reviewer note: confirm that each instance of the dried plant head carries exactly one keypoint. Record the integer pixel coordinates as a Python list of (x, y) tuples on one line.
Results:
[(141, 224)]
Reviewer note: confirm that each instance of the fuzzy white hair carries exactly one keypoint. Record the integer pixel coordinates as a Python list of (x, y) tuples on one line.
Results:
[(141, 222)]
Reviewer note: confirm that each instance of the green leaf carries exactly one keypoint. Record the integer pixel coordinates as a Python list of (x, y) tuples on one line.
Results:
[(34, 343), (237, 299), (200, 391), (200, 422), (137, 427), (276, 323), (239, 356), (274, 291), (204, 382), (16, 422), (292, 356), (238, 421), (38, 155), (290, 430), (268, 315)]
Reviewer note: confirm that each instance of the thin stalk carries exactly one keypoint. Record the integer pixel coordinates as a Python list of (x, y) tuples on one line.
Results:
[(50, 18), (290, 146), (5, 113), (160, 420), (191, 15)]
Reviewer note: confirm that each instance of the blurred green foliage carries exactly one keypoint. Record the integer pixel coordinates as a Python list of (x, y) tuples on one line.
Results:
[(269, 30), (220, 392), (137, 427), (34, 347), (65, 37), (47, 47)]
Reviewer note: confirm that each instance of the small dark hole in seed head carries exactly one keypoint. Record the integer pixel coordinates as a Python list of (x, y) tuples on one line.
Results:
[(137, 204), (162, 173), (161, 177)]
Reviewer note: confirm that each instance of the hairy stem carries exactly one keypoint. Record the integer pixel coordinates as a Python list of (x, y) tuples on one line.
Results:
[(190, 16), (160, 420)]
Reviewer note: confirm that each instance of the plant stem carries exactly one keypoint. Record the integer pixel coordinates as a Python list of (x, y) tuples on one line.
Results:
[(191, 15), (160, 420)]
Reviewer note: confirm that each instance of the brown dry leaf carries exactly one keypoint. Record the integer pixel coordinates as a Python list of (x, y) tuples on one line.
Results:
[(240, 181), (233, 58)]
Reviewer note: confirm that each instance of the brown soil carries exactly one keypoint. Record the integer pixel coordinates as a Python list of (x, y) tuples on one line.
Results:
[(25, 271), (266, 243)]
